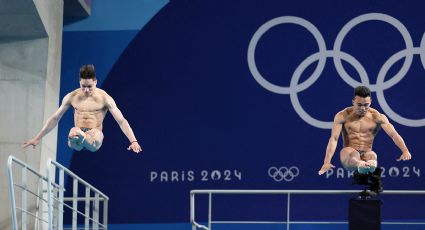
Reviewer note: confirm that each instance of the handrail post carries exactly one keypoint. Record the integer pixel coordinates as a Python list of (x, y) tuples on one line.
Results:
[(95, 212), (192, 211), (74, 204), (87, 210), (49, 195), (288, 209), (37, 204), (12, 192), (209, 210), (60, 203), (105, 213), (24, 203)]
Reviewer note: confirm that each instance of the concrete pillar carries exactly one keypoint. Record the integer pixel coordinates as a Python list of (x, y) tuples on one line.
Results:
[(30, 59)]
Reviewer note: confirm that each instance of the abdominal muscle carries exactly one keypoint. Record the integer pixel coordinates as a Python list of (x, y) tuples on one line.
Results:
[(89, 119), (360, 142)]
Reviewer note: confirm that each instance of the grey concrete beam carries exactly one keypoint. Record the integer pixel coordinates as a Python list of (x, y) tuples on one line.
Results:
[(75, 10), (26, 21)]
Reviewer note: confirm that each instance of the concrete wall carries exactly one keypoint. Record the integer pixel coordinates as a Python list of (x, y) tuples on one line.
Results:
[(30, 60)]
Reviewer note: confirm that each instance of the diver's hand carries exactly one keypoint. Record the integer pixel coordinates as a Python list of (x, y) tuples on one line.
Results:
[(405, 156), (325, 167), (34, 142), (135, 147)]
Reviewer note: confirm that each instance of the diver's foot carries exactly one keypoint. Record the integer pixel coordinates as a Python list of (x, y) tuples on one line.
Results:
[(81, 136), (372, 165), (363, 167)]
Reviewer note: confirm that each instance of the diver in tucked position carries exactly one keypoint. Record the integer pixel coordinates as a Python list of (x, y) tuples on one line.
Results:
[(359, 125), (90, 107)]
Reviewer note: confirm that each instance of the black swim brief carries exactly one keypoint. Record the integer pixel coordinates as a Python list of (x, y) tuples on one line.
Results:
[(85, 129), (361, 152)]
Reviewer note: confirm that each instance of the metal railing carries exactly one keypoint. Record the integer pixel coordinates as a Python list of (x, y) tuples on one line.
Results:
[(92, 200), (288, 193), (25, 189), (42, 198)]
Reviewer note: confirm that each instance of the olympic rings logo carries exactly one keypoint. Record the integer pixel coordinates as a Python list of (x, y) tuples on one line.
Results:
[(337, 55), (283, 173)]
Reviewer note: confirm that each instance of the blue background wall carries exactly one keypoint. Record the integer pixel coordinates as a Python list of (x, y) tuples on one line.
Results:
[(179, 72)]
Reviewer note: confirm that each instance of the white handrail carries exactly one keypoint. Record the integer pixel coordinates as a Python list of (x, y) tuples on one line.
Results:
[(98, 197), (24, 190), (55, 195), (196, 225)]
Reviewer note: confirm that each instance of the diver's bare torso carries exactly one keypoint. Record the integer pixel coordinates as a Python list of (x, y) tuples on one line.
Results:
[(89, 112), (359, 131)]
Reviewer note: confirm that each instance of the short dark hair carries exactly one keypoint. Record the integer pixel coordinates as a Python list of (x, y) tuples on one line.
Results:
[(362, 91), (87, 72)]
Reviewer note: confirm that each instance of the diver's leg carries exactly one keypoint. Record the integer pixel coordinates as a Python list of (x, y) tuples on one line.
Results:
[(93, 140), (372, 159), (350, 159), (74, 139)]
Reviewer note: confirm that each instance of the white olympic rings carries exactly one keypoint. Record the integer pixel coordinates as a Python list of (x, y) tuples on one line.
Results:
[(337, 54), (283, 173)]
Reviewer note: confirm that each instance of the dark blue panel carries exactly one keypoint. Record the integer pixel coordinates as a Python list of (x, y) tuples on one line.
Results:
[(185, 86)]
